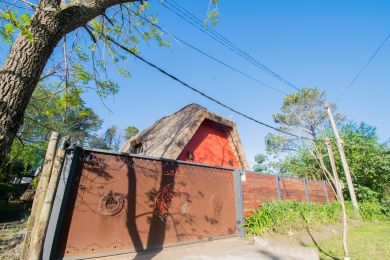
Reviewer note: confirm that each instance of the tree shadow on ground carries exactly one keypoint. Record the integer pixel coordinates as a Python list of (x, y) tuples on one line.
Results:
[(309, 232)]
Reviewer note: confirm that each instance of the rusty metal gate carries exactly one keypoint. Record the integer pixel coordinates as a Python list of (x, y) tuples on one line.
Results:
[(110, 203)]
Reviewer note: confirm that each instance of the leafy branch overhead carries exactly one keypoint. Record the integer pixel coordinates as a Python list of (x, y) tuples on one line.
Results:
[(65, 42), (46, 112)]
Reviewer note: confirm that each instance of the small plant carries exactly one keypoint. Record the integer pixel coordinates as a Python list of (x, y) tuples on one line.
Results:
[(282, 216)]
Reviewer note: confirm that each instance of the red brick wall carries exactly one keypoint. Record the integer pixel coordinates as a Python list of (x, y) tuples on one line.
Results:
[(292, 189), (259, 188)]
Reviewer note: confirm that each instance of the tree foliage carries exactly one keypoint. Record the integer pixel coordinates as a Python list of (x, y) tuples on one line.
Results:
[(49, 110), (130, 132), (112, 138), (73, 41), (302, 113), (368, 159)]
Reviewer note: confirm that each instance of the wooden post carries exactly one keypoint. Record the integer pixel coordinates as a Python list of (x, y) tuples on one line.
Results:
[(326, 191), (280, 197), (306, 190), (340, 195), (340, 146), (40, 190), (38, 237)]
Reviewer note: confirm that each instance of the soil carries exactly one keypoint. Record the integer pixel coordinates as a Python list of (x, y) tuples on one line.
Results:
[(310, 235)]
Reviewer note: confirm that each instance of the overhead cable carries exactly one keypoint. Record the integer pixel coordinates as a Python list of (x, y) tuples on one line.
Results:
[(208, 55), (196, 22), (363, 68), (110, 39)]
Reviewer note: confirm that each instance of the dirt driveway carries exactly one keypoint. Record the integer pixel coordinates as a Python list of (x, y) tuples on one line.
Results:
[(229, 248)]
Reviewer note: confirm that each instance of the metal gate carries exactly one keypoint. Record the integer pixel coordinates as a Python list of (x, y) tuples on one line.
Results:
[(113, 203)]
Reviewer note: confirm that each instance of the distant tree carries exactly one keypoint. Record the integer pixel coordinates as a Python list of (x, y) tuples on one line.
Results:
[(130, 132), (64, 112), (368, 159), (98, 143), (302, 113), (112, 138), (260, 165)]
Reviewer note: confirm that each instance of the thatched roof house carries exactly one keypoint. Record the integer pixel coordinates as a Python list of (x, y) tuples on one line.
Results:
[(191, 134)]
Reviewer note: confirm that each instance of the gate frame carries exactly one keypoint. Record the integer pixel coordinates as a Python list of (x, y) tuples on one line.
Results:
[(64, 187), (60, 202)]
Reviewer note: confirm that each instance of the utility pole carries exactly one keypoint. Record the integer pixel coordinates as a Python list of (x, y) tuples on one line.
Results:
[(340, 197), (340, 146)]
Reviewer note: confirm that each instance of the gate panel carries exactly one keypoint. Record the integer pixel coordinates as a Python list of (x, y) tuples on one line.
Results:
[(122, 204)]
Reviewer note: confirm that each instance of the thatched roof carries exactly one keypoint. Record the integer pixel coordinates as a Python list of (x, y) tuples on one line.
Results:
[(167, 137)]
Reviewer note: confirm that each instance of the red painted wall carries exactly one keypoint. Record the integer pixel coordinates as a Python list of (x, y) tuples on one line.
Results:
[(210, 145)]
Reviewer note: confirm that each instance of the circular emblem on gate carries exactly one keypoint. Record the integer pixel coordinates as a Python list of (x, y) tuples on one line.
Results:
[(216, 203), (111, 203)]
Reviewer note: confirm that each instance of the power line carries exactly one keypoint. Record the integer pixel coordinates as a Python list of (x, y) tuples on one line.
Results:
[(211, 57), (196, 22), (223, 40), (208, 55), (107, 37), (363, 68)]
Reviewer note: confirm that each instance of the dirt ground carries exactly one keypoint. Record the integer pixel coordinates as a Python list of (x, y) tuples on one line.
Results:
[(235, 248), (309, 236), (229, 249)]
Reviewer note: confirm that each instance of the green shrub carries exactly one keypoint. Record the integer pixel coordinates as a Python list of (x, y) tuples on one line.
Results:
[(281, 216), (371, 211), (5, 191)]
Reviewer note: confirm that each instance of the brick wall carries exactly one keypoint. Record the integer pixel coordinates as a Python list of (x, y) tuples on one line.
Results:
[(259, 188)]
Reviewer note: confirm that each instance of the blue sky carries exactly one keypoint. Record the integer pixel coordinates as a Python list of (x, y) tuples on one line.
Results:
[(310, 43), (319, 44)]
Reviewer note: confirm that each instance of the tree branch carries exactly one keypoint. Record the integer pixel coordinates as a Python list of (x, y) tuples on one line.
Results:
[(78, 15)]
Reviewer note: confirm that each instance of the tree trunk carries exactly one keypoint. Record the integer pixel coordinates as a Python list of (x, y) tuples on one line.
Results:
[(21, 72)]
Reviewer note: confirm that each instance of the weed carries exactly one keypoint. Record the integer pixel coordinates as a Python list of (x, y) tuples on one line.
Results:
[(281, 216)]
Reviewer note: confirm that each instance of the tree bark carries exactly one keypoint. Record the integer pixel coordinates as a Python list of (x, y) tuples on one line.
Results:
[(21, 72), (340, 145), (28, 57)]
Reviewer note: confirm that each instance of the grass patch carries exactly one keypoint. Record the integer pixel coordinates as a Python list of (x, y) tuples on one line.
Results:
[(282, 216), (368, 241)]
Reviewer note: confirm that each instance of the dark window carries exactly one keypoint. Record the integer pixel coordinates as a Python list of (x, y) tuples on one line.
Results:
[(138, 148)]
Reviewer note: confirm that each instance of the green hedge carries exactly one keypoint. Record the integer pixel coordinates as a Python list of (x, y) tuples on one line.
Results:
[(281, 216)]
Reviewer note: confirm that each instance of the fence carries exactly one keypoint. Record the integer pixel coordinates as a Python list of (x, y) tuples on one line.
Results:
[(111, 203), (114, 203), (259, 188)]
